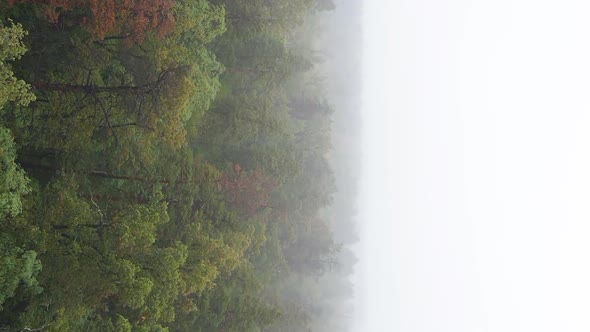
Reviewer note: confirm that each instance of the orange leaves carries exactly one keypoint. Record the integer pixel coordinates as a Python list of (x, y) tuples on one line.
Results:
[(237, 169), (52, 15), (132, 19), (103, 16), (141, 16), (248, 191)]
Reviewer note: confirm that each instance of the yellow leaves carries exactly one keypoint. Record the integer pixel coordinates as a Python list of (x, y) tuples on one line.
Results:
[(135, 227), (199, 278), (200, 19), (176, 110)]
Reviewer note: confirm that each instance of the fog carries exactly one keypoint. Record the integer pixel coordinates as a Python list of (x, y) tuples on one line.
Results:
[(473, 206)]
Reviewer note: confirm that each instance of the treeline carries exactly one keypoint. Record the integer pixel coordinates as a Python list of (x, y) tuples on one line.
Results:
[(164, 167)]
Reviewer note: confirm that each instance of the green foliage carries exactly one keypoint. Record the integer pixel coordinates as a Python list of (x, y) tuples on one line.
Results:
[(13, 181), (198, 21), (135, 227), (19, 267), (12, 48), (100, 324)]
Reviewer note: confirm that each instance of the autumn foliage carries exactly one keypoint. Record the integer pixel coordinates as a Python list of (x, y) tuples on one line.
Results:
[(248, 191), (129, 19)]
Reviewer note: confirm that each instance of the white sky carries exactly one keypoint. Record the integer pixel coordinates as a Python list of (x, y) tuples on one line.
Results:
[(475, 200)]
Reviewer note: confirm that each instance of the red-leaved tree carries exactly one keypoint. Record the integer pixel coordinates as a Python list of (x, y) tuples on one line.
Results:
[(127, 19), (249, 191)]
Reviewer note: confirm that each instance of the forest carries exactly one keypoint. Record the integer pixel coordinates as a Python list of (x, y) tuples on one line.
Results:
[(167, 165)]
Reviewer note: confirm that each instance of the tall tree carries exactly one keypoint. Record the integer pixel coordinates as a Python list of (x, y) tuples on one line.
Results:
[(12, 48)]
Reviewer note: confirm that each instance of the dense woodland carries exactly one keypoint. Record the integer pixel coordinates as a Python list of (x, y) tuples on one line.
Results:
[(166, 165)]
